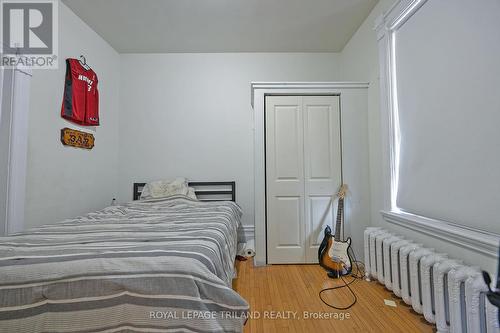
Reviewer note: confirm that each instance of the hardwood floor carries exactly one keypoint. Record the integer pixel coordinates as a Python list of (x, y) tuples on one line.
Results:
[(284, 290)]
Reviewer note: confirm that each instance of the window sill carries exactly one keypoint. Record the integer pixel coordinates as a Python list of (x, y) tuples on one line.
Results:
[(471, 238)]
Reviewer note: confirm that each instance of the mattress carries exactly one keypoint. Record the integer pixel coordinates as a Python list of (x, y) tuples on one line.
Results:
[(157, 265)]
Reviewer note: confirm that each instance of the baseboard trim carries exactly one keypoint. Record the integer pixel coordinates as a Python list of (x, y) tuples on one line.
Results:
[(249, 231)]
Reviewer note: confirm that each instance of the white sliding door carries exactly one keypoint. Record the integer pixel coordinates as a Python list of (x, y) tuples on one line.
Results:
[(303, 170)]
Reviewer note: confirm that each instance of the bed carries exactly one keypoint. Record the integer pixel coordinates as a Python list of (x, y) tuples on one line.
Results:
[(154, 265)]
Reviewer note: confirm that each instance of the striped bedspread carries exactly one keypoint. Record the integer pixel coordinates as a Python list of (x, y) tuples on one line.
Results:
[(146, 266)]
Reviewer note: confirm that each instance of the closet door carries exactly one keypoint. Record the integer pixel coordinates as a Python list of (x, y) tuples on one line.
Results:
[(303, 170), (322, 167), (285, 179)]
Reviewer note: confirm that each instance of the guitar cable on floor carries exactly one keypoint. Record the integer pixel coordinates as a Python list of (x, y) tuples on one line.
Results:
[(346, 285)]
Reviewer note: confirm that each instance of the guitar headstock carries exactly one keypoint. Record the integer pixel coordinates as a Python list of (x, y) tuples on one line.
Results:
[(328, 231), (342, 191)]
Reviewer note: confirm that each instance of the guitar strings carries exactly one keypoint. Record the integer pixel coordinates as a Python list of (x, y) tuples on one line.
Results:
[(346, 285)]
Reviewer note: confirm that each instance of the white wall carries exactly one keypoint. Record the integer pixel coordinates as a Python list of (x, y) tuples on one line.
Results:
[(63, 182), (190, 114), (359, 61)]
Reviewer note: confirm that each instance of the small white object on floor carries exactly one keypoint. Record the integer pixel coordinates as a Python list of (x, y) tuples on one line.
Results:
[(246, 249), (389, 302), (250, 248)]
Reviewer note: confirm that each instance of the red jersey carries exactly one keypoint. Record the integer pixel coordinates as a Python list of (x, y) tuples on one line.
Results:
[(81, 97)]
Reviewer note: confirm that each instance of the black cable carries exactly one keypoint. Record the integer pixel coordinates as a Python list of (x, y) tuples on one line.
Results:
[(357, 265), (346, 285)]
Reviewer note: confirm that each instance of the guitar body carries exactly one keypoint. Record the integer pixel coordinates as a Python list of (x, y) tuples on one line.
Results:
[(334, 255), (333, 252)]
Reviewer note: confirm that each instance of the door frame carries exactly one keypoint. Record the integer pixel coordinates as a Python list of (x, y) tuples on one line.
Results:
[(259, 90), (17, 155)]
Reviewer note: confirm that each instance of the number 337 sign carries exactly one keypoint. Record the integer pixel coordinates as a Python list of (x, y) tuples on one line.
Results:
[(78, 139)]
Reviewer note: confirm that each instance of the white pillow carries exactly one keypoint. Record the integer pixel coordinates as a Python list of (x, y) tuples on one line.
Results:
[(164, 188)]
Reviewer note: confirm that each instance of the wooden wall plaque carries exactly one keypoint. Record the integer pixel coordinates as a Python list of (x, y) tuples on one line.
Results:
[(78, 139)]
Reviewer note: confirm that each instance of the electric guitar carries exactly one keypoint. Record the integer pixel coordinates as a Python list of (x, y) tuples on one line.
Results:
[(333, 253)]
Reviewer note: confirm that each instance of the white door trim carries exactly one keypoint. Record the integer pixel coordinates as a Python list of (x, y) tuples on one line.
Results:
[(18, 150), (258, 92), (1, 92)]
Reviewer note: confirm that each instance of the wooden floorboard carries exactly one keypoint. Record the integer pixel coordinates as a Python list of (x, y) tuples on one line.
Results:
[(281, 290)]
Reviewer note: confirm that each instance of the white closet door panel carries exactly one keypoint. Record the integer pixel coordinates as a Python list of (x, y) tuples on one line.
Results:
[(288, 221), (320, 214), (286, 142), (319, 144), (285, 179), (322, 166)]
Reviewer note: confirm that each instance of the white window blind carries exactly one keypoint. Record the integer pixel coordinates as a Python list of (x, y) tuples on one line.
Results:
[(448, 92)]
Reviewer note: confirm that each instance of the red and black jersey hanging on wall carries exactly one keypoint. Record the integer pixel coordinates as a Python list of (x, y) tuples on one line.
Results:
[(81, 97)]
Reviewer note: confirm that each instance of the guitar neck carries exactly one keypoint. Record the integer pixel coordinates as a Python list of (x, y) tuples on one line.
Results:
[(338, 224)]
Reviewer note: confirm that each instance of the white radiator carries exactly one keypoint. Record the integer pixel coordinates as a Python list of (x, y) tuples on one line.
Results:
[(442, 304), (386, 246), (368, 264), (428, 285), (404, 270), (396, 270), (446, 291), (417, 276), (456, 289), (481, 314), (379, 239)]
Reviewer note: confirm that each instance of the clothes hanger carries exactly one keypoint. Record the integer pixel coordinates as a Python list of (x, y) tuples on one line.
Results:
[(84, 63)]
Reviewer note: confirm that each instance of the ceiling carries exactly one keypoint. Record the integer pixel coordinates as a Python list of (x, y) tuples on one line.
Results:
[(162, 26)]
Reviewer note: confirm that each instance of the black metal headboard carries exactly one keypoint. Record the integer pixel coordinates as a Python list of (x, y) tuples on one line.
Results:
[(205, 191)]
